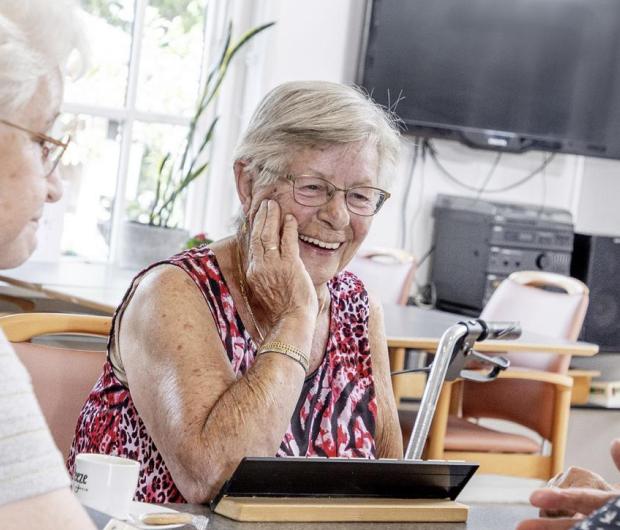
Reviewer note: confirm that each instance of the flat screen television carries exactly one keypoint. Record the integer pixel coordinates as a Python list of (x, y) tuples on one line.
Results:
[(504, 74)]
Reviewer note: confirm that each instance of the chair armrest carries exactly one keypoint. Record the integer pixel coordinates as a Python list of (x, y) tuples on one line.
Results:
[(24, 326), (560, 380)]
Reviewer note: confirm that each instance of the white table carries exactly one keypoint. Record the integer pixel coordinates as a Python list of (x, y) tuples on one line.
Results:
[(102, 286), (95, 285)]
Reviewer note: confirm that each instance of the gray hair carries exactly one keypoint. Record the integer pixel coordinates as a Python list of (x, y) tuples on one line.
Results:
[(313, 114), (36, 40)]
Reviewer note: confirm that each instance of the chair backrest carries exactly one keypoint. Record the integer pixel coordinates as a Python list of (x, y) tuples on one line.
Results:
[(388, 273), (62, 378), (523, 296)]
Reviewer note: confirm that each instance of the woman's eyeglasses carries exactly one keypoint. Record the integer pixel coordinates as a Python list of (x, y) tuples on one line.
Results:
[(309, 190), (51, 148)]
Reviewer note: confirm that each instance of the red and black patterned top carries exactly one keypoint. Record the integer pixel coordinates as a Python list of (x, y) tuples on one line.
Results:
[(334, 417)]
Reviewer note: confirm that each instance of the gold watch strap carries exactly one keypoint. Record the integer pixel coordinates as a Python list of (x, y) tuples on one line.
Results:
[(286, 349)]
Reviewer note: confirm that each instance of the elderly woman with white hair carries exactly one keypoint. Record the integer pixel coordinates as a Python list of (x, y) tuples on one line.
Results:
[(261, 344), (36, 37)]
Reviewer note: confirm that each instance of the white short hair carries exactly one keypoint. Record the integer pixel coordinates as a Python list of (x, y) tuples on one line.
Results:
[(316, 114), (36, 40)]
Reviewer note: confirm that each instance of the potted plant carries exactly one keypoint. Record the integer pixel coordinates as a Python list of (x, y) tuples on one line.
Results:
[(150, 234)]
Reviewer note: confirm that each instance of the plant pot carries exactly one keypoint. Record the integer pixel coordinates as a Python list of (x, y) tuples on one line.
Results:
[(142, 244)]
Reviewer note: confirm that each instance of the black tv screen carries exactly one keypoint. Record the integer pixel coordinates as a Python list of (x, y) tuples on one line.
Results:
[(509, 74)]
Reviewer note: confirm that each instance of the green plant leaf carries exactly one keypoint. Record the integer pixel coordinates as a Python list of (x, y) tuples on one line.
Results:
[(204, 94), (173, 179), (204, 143), (169, 203), (160, 171), (230, 53)]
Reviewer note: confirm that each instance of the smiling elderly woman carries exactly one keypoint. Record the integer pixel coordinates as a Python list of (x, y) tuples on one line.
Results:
[(261, 345)]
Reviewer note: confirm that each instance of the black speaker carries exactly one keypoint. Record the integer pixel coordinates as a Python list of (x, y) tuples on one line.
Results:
[(596, 262)]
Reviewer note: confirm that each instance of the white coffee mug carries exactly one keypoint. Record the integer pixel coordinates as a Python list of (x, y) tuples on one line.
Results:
[(106, 483)]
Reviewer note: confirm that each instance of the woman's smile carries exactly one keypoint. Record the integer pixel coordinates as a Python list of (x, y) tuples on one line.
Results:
[(320, 244)]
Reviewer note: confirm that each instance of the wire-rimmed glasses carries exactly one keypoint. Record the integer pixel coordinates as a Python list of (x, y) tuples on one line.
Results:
[(310, 190), (51, 148)]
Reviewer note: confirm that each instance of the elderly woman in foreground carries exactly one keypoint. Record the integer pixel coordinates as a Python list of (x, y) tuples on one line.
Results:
[(36, 38), (261, 344)]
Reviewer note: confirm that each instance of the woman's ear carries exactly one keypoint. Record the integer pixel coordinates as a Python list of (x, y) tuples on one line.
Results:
[(244, 180)]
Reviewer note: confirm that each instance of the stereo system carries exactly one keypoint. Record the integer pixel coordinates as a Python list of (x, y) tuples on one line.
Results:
[(478, 243), (596, 262)]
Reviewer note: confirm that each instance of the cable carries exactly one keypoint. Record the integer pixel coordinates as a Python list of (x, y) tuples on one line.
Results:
[(418, 209), (544, 191), (414, 159), (411, 370), (531, 175), (433, 152), (426, 255), (419, 296), (489, 175)]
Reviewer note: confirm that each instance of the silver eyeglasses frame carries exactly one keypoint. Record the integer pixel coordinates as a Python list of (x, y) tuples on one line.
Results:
[(332, 189), (63, 144)]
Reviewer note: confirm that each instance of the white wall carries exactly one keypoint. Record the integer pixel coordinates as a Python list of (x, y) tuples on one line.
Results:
[(598, 209), (320, 40), (311, 40)]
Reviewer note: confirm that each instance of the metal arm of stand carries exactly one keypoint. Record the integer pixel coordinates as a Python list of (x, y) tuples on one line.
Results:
[(454, 347)]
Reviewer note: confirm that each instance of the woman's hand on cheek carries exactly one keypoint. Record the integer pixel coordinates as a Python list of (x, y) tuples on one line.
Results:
[(276, 274)]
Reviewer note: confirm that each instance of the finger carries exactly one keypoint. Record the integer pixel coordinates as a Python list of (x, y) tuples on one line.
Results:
[(547, 524), (615, 452), (270, 235), (575, 500), (578, 477), (290, 237), (556, 513), (256, 246), (557, 480)]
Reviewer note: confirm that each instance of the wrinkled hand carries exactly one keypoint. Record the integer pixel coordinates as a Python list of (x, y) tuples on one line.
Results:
[(574, 477), (575, 503), (276, 274), (573, 494)]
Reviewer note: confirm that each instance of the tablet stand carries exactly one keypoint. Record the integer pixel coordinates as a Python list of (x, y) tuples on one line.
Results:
[(303, 489), (454, 350)]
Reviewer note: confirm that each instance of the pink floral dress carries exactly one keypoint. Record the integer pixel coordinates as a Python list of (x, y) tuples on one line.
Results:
[(335, 414)]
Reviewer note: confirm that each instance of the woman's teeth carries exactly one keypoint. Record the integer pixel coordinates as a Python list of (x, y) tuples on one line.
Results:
[(319, 243)]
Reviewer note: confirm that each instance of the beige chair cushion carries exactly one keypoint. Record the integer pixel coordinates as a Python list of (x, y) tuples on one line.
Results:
[(465, 436), (62, 380)]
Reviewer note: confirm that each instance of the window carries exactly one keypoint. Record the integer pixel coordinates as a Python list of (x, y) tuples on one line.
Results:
[(131, 106)]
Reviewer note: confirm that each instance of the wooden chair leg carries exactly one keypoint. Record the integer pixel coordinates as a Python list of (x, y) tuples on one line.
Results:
[(560, 429), (397, 362)]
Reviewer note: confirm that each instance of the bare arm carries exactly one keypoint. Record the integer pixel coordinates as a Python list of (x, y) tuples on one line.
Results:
[(388, 437), (57, 509), (201, 417)]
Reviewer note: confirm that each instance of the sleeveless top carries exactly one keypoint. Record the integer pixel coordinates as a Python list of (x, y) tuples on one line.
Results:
[(335, 414), (607, 517)]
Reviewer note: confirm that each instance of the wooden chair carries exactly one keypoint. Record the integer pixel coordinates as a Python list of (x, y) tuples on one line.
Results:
[(387, 272), (535, 392), (23, 304), (62, 378)]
